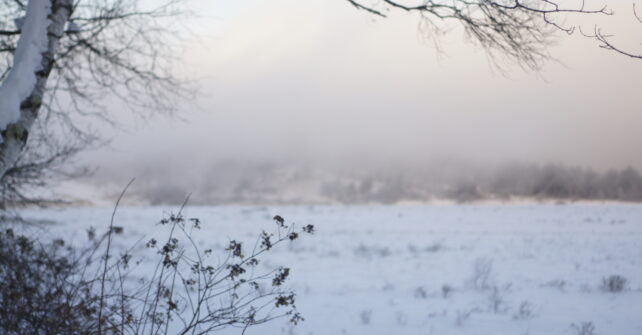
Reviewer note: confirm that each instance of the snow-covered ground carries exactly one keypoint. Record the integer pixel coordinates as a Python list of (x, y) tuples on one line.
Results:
[(453, 269)]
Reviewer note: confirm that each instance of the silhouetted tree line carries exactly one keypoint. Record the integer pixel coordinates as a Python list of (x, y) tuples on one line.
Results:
[(259, 182), (563, 182), (551, 181)]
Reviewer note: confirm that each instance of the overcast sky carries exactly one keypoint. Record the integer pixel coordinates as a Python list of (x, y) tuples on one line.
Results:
[(318, 80)]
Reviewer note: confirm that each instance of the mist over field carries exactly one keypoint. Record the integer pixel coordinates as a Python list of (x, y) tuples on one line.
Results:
[(293, 110), (448, 167), (265, 182)]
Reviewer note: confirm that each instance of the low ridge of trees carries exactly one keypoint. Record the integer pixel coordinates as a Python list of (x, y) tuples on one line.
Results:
[(260, 182)]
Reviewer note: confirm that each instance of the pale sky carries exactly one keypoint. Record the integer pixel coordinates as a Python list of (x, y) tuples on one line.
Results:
[(318, 80)]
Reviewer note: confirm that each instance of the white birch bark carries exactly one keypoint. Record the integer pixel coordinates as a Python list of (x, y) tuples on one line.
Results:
[(16, 123)]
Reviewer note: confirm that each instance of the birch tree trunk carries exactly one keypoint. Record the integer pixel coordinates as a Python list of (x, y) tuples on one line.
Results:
[(15, 134)]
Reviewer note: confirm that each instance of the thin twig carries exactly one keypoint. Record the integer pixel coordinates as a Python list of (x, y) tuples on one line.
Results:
[(104, 274)]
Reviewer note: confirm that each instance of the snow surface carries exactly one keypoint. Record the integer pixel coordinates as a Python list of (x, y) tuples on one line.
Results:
[(382, 269), (27, 60)]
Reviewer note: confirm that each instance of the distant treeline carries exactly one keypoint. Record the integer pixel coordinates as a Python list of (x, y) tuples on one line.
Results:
[(563, 182), (272, 183), (551, 181)]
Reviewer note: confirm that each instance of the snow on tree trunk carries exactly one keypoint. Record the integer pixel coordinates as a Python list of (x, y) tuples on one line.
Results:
[(22, 78), (22, 91)]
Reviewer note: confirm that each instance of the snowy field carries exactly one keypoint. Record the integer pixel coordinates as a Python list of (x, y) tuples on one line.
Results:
[(452, 269)]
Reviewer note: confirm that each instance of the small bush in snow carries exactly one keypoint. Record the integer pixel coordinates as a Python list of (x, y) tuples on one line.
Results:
[(420, 293), (56, 289), (481, 278), (496, 300), (524, 312), (400, 318), (40, 290), (556, 283), (461, 317), (584, 328), (434, 247), (370, 252), (614, 283), (446, 290), (366, 316)]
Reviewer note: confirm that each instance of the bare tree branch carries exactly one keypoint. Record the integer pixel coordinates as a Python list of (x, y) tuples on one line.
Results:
[(109, 50), (517, 30), (608, 45)]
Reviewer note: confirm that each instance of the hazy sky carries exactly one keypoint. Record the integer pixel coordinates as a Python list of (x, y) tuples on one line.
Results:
[(319, 80)]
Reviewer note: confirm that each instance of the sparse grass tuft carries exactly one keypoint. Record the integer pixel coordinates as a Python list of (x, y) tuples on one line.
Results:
[(481, 278), (584, 328), (614, 283)]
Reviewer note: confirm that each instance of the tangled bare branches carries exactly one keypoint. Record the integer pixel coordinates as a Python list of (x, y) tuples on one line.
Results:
[(111, 53), (519, 30), (56, 289), (606, 43)]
